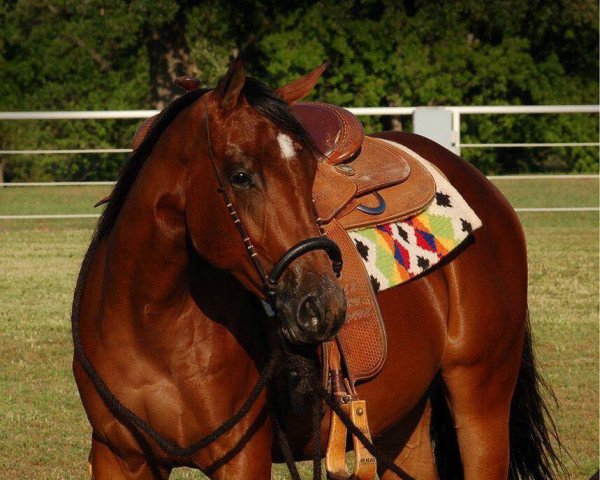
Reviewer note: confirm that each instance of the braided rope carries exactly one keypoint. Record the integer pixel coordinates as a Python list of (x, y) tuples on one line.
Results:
[(317, 416), (123, 413), (285, 448)]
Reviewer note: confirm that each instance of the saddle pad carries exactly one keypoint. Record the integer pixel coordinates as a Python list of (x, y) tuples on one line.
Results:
[(393, 253)]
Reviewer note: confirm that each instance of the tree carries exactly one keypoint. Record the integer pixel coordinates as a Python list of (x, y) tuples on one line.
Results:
[(67, 55)]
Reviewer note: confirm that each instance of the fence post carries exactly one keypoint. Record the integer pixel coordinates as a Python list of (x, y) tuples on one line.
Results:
[(438, 124), (456, 131)]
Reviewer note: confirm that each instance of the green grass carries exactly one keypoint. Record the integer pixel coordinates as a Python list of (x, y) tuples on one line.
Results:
[(43, 429), (582, 192), (576, 192), (563, 302), (51, 200)]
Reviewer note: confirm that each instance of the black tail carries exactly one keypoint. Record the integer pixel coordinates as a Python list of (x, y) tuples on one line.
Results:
[(532, 430)]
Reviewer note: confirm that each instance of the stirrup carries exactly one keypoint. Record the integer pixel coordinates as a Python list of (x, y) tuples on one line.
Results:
[(365, 464)]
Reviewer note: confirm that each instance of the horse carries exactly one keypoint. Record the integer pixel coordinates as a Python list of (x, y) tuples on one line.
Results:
[(170, 320)]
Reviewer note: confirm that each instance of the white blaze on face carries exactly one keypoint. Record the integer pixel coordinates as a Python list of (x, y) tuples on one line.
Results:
[(286, 144)]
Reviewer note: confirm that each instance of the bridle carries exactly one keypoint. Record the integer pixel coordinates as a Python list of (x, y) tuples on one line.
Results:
[(271, 280)]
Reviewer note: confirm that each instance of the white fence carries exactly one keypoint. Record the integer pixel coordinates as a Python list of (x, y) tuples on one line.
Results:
[(455, 113)]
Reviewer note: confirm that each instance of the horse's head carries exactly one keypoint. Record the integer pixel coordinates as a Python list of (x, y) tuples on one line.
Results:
[(257, 152)]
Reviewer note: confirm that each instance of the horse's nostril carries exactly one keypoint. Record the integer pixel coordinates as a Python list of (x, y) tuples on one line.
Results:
[(310, 315)]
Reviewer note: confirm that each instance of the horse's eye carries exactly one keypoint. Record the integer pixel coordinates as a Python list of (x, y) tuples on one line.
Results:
[(241, 179)]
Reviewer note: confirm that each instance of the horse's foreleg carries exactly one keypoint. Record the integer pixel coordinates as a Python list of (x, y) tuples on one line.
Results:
[(108, 465), (247, 457), (415, 455)]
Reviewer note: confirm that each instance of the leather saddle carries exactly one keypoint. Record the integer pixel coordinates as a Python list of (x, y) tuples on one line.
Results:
[(362, 182)]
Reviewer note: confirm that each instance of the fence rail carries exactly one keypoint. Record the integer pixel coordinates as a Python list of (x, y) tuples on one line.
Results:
[(366, 111), (454, 111), (97, 215), (491, 177)]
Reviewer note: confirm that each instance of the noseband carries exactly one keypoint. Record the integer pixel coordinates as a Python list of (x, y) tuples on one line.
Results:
[(271, 280)]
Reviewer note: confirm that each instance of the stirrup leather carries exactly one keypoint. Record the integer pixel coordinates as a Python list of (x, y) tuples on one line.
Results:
[(365, 465)]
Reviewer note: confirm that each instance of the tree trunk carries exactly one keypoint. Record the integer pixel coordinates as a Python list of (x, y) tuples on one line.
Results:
[(168, 55), (396, 123)]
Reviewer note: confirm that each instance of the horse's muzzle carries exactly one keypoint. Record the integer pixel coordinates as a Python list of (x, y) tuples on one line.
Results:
[(302, 248), (311, 305)]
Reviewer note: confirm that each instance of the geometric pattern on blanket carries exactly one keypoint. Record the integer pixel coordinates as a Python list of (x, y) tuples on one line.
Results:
[(394, 253)]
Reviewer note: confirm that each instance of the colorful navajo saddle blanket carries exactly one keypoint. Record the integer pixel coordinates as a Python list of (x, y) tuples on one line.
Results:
[(394, 253)]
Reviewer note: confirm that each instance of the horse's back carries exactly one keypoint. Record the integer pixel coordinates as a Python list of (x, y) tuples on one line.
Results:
[(490, 205)]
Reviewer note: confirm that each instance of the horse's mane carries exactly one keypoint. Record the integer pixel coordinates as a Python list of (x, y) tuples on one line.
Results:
[(261, 97)]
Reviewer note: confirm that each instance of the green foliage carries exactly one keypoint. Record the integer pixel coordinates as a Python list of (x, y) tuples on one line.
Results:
[(67, 55)]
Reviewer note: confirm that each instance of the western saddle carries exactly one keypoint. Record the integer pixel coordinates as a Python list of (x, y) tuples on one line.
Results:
[(361, 182)]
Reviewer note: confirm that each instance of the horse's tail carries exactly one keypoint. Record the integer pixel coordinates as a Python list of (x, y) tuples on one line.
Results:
[(532, 429), (533, 454)]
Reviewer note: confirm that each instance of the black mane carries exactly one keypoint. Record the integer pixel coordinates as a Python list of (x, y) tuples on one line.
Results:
[(271, 106), (259, 96)]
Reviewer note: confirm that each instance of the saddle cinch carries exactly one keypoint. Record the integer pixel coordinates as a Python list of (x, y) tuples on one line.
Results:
[(363, 182)]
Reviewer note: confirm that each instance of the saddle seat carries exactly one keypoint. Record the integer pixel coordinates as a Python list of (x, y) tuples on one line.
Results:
[(336, 131), (365, 181)]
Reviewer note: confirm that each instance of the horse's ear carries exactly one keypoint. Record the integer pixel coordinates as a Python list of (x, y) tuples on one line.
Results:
[(302, 86), (230, 86)]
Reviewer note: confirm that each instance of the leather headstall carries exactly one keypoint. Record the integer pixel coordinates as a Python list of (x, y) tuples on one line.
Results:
[(303, 247)]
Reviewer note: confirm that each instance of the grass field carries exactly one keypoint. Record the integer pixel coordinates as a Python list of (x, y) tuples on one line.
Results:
[(43, 430)]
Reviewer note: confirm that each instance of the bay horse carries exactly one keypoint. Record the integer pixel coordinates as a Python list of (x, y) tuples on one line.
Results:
[(167, 321)]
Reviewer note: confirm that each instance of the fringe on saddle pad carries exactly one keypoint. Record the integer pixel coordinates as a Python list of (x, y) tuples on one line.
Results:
[(396, 252)]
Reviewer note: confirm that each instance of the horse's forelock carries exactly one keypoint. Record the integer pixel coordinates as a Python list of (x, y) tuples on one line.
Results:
[(271, 106)]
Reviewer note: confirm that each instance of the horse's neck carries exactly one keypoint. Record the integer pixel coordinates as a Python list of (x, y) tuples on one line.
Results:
[(146, 264), (158, 296)]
